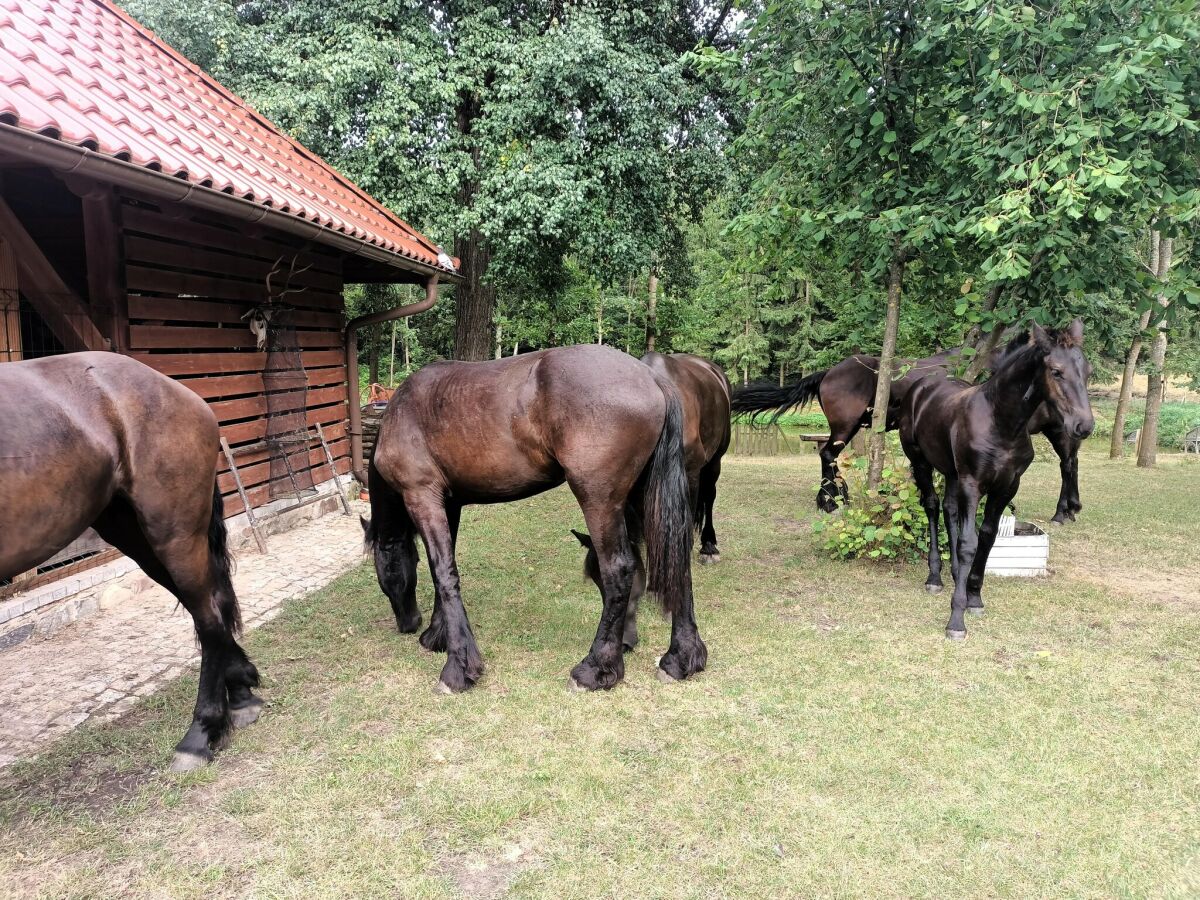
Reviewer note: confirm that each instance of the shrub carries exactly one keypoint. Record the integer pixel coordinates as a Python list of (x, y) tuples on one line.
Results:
[(888, 524)]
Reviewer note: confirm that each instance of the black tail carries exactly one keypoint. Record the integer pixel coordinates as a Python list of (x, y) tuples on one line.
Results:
[(220, 562), (667, 511), (764, 397)]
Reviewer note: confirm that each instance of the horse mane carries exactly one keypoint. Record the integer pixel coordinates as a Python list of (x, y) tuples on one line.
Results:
[(1018, 355)]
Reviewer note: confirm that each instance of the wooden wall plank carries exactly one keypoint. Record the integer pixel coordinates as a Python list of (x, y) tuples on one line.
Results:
[(185, 363), (151, 222), (158, 337)]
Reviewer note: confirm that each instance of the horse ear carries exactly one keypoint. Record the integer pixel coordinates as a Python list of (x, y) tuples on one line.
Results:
[(1073, 336), (1039, 337), (584, 539)]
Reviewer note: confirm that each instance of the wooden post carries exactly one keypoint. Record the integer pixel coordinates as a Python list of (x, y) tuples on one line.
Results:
[(107, 298)]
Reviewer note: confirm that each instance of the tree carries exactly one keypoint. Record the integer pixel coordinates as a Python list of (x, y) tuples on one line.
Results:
[(519, 131)]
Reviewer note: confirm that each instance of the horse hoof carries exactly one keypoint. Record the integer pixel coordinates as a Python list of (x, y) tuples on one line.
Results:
[(189, 762), (575, 687), (442, 688), (953, 635), (933, 588), (708, 559), (664, 677), (975, 610), (246, 715)]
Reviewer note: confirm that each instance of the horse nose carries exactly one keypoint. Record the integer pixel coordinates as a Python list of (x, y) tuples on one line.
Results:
[(1085, 428)]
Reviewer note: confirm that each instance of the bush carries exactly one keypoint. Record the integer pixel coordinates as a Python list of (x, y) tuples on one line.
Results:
[(888, 524), (1176, 420)]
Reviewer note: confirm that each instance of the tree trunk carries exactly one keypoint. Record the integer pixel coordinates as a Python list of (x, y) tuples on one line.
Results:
[(373, 358), (499, 338), (1116, 448), (652, 311), (974, 333), (782, 373), (883, 384), (474, 299), (983, 354), (1148, 448), (407, 362), (599, 318), (392, 358)]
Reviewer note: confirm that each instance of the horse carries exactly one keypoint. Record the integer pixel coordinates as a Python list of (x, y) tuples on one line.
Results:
[(977, 436), (705, 393), (107, 442), (846, 392), (459, 433)]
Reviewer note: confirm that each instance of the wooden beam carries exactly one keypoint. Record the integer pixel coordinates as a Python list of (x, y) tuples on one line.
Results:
[(10, 305), (63, 311), (106, 287)]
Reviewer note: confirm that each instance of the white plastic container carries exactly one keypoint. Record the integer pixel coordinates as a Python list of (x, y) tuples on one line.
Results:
[(1021, 550)]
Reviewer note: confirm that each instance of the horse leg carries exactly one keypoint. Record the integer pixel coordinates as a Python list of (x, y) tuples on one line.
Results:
[(997, 503), (950, 516), (708, 496), (179, 559), (1062, 446), (1076, 505), (833, 488), (966, 503), (464, 665), (604, 666), (923, 475), (433, 638), (390, 534), (629, 638)]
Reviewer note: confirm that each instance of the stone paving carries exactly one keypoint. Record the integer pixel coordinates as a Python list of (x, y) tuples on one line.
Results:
[(99, 667)]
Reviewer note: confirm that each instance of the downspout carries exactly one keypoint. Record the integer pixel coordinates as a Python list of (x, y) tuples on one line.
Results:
[(357, 466)]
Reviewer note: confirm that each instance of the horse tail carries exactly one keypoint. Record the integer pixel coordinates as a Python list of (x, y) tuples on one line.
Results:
[(666, 519), (220, 563), (764, 397)]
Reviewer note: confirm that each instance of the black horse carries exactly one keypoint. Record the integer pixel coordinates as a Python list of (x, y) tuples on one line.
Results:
[(488, 432), (977, 436), (100, 440), (704, 391), (846, 393)]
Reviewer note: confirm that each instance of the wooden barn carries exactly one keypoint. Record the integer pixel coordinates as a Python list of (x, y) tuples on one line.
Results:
[(146, 210)]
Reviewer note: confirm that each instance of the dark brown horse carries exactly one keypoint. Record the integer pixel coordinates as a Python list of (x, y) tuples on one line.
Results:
[(704, 391), (100, 440), (488, 432), (846, 393), (977, 436)]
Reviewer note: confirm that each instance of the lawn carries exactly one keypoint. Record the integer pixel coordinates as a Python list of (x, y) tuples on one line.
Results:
[(837, 745)]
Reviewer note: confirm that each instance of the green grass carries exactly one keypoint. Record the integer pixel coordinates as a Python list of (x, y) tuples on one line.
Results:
[(838, 745)]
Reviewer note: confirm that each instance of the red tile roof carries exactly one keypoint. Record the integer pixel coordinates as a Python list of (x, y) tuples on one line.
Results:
[(85, 73)]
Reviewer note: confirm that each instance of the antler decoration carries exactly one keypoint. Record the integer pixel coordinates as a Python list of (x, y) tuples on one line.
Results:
[(260, 316)]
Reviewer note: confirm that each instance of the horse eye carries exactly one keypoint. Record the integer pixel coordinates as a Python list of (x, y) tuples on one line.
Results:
[(1058, 373)]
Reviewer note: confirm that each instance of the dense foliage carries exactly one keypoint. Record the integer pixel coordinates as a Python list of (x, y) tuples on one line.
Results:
[(777, 171)]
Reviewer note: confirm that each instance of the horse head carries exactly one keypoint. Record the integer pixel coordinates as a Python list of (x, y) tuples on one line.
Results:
[(1065, 373)]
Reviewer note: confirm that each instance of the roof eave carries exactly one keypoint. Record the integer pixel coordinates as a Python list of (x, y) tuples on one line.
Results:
[(69, 159)]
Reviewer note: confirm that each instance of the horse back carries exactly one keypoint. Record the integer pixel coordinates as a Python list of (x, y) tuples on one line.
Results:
[(509, 428)]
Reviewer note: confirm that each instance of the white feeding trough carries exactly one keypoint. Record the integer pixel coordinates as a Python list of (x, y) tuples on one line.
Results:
[(1021, 550)]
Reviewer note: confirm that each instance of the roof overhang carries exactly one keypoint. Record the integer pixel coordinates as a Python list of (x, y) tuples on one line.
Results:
[(69, 160)]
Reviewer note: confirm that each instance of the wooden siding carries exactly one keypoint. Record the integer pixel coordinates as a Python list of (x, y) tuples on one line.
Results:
[(189, 280)]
